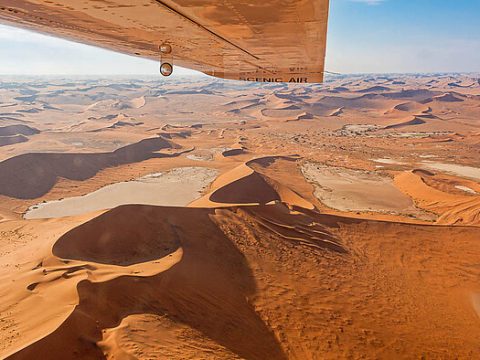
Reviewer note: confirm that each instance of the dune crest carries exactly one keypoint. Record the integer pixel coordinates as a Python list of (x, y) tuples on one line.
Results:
[(172, 271), (245, 186), (32, 175), (451, 208), (414, 121), (233, 220)]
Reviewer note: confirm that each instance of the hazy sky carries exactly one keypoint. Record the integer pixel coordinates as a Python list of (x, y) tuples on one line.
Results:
[(364, 36)]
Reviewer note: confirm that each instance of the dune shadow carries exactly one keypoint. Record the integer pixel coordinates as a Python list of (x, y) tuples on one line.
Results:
[(32, 175), (250, 189), (207, 290)]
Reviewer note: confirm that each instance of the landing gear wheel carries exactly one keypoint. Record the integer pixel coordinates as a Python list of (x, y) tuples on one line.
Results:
[(166, 69)]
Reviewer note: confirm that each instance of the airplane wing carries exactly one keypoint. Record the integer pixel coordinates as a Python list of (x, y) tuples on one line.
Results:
[(253, 40)]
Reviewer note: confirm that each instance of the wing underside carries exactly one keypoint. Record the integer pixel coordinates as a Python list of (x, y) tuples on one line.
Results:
[(269, 40)]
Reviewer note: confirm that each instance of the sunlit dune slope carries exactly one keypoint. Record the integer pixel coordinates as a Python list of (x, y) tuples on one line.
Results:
[(245, 186), (240, 282), (452, 208), (365, 256), (244, 280)]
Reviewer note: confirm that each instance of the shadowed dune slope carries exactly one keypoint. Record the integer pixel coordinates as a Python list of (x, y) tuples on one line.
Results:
[(362, 257), (245, 186), (414, 121), (108, 240), (233, 152), (410, 106), (448, 97), (250, 189), (377, 88), (30, 176), (247, 279), (14, 139), (208, 289), (11, 130)]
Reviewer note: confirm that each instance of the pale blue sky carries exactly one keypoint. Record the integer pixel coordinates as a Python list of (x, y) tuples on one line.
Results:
[(404, 36), (364, 36)]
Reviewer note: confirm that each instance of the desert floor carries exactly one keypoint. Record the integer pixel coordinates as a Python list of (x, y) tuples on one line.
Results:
[(208, 219)]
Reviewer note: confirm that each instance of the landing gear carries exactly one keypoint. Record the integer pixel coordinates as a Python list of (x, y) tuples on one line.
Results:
[(165, 49), (166, 69), (166, 59)]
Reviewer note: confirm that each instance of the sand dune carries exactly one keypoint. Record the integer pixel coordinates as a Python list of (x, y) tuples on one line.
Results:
[(249, 109), (15, 134), (418, 95), (414, 121), (200, 282), (460, 84), (14, 139), (177, 341), (337, 112), (186, 263), (233, 152), (375, 89), (250, 189), (138, 103), (8, 105), (367, 101), (245, 186), (358, 256), (27, 99), (286, 112), (94, 127), (411, 106), (452, 208), (30, 111), (109, 104), (12, 119), (302, 116), (11, 130), (305, 116), (15, 114), (238, 105), (448, 97), (32, 175), (241, 185), (120, 124)]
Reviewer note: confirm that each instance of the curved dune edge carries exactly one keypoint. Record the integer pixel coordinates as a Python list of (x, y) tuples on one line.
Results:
[(244, 186), (144, 330), (75, 296), (182, 272), (412, 107), (56, 281), (212, 266), (451, 208), (240, 282), (138, 103), (101, 250), (414, 120), (47, 168)]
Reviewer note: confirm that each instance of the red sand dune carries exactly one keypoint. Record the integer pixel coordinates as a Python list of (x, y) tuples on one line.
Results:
[(32, 175), (258, 267)]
